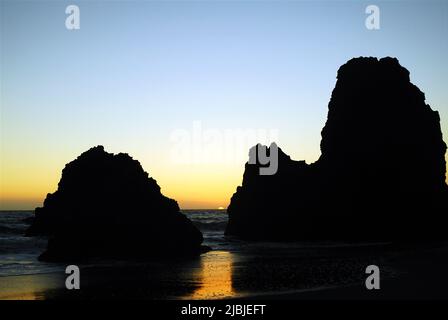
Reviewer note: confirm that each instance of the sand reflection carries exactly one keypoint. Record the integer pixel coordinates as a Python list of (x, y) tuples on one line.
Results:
[(214, 276), (28, 287)]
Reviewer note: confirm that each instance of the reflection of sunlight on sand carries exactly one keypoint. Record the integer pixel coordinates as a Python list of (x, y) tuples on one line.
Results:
[(28, 287), (21, 296), (215, 276)]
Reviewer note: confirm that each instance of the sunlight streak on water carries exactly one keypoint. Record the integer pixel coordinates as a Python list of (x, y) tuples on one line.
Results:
[(215, 276)]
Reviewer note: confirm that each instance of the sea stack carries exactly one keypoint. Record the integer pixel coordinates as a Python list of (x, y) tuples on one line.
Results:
[(106, 205), (380, 176)]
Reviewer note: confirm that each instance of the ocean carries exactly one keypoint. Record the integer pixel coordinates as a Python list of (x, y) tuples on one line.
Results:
[(234, 268), (18, 254)]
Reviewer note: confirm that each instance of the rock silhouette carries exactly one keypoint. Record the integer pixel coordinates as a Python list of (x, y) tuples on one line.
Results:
[(107, 206), (380, 176)]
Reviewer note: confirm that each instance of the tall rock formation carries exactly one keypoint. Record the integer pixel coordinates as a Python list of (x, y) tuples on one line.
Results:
[(380, 176)]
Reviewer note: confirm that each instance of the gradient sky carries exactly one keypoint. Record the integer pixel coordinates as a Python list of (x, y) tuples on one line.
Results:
[(137, 71)]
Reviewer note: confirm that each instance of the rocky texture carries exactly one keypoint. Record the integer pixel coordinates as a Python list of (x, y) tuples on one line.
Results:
[(380, 176), (107, 206)]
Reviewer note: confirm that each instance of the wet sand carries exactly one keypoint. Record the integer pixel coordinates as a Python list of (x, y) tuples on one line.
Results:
[(258, 273), (30, 287)]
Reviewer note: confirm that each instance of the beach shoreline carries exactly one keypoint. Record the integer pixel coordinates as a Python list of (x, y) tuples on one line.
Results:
[(220, 275)]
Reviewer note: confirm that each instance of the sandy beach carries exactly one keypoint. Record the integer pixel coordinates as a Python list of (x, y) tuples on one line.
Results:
[(409, 273)]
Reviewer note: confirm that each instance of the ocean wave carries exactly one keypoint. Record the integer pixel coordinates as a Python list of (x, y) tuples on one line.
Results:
[(210, 225), (14, 229)]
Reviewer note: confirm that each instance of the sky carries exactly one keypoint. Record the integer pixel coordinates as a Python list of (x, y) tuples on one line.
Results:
[(169, 82)]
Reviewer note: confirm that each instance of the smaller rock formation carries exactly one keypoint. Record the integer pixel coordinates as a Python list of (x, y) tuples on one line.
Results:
[(107, 206), (265, 206)]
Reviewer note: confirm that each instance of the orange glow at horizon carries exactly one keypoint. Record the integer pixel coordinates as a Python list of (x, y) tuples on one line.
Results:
[(26, 180), (24, 184)]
